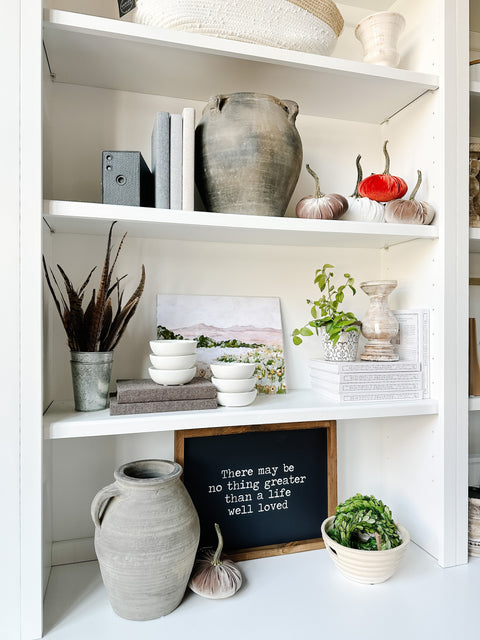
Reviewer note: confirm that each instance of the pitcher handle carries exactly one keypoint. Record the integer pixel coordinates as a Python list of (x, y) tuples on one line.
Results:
[(291, 108), (100, 501)]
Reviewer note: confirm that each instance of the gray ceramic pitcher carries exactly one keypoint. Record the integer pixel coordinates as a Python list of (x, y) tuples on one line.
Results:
[(146, 537)]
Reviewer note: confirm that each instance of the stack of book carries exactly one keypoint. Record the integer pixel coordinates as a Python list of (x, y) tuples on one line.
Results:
[(366, 381), (173, 159), (145, 396), (361, 381)]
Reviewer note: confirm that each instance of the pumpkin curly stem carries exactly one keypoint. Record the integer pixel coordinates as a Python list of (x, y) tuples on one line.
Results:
[(318, 193), (216, 562), (355, 194), (417, 186), (387, 159)]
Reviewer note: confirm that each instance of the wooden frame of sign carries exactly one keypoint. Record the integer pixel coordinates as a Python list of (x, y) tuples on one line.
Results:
[(268, 486)]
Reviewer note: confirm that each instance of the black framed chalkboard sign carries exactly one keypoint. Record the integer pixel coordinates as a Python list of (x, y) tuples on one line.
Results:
[(269, 487)]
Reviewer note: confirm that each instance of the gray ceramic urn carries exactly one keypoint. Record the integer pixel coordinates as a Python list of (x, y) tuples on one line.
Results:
[(248, 154), (146, 537)]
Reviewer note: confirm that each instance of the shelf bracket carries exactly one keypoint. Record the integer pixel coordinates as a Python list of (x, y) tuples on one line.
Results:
[(51, 229), (386, 247), (408, 104), (52, 75)]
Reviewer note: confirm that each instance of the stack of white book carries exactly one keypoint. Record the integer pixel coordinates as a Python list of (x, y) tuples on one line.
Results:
[(173, 159), (366, 381), (361, 381)]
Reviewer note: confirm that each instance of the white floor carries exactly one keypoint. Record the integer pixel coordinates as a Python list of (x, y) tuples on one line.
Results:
[(288, 597)]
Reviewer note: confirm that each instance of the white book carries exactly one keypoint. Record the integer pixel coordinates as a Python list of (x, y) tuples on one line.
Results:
[(413, 341), (188, 159), (387, 396), (176, 153), (362, 366), (161, 159), (387, 377), (366, 387)]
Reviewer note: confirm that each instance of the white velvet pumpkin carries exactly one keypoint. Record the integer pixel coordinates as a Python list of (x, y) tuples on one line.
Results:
[(364, 210)]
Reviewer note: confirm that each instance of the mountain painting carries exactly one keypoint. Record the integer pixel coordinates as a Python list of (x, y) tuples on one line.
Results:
[(240, 328)]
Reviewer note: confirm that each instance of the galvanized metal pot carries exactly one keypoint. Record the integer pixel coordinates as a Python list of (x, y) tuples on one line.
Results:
[(91, 371)]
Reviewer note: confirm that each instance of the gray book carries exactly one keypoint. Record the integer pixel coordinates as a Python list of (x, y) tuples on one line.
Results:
[(132, 408), (145, 390), (161, 159), (176, 161)]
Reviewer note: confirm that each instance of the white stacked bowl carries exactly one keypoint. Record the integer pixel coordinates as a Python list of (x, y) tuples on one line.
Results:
[(235, 383), (173, 361)]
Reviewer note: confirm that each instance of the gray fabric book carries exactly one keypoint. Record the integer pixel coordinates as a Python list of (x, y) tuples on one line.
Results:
[(131, 408), (161, 159), (145, 390)]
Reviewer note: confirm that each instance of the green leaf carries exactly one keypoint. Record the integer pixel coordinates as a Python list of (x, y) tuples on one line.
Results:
[(297, 340), (305, 331)]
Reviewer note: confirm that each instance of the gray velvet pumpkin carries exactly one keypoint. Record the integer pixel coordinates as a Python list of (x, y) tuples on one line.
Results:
[(248, 154)]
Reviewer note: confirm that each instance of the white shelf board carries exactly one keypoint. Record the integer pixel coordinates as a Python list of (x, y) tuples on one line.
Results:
[(474, 403), (113, 54), (61, 421), (93, 218), (283, 597), (474, 240)]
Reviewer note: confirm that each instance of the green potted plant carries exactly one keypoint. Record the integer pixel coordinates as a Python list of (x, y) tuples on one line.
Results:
[(363, 540), (339, 329), (93, 333)]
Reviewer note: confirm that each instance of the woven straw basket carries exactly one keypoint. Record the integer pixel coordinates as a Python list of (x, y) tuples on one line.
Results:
[(312, 26)]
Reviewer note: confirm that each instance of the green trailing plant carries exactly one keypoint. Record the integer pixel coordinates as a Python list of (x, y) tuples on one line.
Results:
[(97, 328), (326, 311), (364, 522)]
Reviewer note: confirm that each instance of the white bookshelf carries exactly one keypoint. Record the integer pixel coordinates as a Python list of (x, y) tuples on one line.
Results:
[(144, 222), (108, 53), (300, 593), (61, 421), (102, 77)]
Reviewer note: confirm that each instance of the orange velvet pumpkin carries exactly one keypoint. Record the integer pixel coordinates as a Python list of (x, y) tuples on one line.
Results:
[(383, 187)]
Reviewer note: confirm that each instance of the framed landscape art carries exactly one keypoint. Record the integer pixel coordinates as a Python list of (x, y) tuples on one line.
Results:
[(240, 328)]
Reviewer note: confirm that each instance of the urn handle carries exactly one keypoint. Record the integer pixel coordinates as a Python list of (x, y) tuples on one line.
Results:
[(100, 501), (216, 103), (291, 107)]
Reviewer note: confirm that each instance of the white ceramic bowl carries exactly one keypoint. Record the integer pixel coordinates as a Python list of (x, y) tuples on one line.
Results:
[(173, 362), (368, 567), (173, 347), (232, 370), (236, 399), (169, 377), (240, 385)]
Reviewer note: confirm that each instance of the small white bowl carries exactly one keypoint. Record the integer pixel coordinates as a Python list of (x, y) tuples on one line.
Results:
[(232, 370), (240, 385), (173, 347), (173, 362), (236, 399), (169, 377)]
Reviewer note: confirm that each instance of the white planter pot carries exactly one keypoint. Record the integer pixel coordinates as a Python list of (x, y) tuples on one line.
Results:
[(346, 348), (367, 567), (378, 34)]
